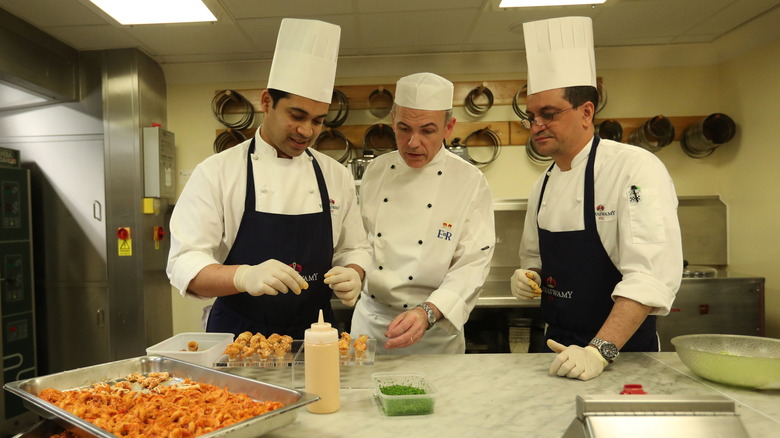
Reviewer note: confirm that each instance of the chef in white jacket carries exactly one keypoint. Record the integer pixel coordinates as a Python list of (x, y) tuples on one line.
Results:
[(429, 218), (601, 235), (270, 227)]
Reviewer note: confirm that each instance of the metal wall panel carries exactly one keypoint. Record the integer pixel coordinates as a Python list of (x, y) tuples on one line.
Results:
[(133, 97)]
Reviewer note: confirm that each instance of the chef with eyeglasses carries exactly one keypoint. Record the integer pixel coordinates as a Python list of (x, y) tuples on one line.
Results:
[(601, 245)]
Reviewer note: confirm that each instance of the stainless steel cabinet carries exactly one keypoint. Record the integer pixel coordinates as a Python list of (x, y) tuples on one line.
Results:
[(732, 305), (96, 303)]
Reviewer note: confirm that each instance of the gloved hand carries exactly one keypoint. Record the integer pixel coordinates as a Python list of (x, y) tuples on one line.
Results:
[(345, 283), (576, 362), (269, 278), (525, 284)]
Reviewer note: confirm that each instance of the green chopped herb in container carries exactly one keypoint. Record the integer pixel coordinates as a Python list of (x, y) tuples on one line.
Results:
[(401, 390), (405, 394)]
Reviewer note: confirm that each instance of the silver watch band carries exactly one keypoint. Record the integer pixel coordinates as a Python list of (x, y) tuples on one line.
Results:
[(431, 314)]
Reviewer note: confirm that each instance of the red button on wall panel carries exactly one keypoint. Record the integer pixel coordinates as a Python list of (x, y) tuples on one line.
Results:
[(159, 233)]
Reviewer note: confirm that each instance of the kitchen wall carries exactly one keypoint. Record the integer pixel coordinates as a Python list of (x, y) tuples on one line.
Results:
[(685, 80), (747, 178)]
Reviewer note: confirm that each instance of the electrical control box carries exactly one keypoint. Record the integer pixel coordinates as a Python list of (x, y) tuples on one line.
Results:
[(159, 163)]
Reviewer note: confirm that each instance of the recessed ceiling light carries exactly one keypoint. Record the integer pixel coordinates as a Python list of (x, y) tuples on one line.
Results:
[(536, 3), (155, 11)]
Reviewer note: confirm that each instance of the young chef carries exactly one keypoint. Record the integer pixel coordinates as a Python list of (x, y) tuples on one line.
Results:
[(271, 215), (429, 218), (601, 233)]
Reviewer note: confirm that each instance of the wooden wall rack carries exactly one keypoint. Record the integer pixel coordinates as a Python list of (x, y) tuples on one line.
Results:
[(511, 132)]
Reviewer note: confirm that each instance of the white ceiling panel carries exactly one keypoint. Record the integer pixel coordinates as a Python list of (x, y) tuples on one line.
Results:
[(201, 58), (399, 50), (282, 8), (247, 29), (400, 29), (43, 13), (506, 25), (446, 7), (99, 37), (263, 31), (192, 38), (657, 20), (722, 21)]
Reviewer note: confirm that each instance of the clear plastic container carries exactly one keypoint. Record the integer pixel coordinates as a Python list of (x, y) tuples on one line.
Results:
[(405, 404), (211, 346)]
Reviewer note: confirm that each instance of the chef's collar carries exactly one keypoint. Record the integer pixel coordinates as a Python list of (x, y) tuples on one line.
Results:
[(436, 161), (263, 149), (582, 156)]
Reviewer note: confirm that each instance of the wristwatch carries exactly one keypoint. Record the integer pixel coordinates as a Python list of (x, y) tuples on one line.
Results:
[(607, 349), (430, 312)]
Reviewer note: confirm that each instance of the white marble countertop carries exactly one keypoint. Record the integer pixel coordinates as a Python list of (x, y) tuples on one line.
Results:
[(509, 395)]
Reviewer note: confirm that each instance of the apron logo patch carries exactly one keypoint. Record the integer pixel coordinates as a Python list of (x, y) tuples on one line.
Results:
[(444, 231), (299, 269), (549, 287), (602, 214)]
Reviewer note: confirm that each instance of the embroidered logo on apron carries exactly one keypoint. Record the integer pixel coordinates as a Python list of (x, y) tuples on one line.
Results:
[(549, 288), (299, 269)]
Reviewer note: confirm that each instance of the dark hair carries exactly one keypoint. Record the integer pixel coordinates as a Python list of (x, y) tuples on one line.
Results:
[(276, 96), (576, 96)]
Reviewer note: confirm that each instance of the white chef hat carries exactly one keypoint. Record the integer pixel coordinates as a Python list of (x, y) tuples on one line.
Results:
[(424, 91), (305, 58), (560, 53)]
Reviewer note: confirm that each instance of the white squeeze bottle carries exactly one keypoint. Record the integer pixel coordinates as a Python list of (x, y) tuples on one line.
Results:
[(321, 360)]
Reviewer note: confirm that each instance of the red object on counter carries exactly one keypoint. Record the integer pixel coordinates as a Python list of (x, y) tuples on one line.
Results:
[(632, 388)]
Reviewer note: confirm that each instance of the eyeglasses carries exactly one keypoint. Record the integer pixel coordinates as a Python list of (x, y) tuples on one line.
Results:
[(543, 119)]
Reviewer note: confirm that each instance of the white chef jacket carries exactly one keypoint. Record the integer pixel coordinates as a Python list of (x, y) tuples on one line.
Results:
[(208, 213), (433, 235), (642, 238)]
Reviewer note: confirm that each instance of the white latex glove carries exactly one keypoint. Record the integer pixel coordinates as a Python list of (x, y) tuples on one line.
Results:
[(345, 283), (576, 362), (269, 278), (525, 284)]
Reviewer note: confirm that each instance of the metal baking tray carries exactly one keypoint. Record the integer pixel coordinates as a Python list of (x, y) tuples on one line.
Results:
[(292, 399)]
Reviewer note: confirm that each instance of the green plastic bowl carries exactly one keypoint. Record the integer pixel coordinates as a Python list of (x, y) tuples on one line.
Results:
[(746, 361)]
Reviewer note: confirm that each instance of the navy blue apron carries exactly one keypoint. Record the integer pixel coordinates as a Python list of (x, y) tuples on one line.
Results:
[(578, 278), (304, 241)]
